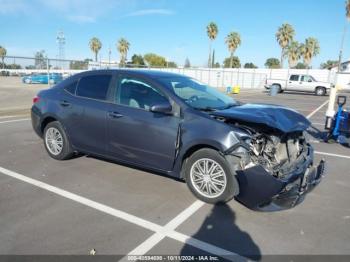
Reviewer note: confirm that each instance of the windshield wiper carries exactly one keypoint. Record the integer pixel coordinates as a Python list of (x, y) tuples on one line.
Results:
[(206, 109), (229, 106)]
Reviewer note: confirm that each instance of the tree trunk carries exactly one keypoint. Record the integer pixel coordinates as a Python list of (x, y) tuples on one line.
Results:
[(209, 59), (95, 56), (282, 57), (231, 60), (307, 63)]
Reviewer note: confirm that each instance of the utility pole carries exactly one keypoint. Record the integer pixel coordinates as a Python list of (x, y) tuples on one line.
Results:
[(109, 56), (61, 41)]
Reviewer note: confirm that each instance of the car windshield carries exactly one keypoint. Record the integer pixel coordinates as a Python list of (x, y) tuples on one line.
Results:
[(198, 95)]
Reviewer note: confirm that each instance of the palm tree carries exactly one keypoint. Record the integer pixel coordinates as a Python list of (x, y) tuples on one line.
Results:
[(309, 49), (95, 46), (347, 7), (293, 52), (123, 48), (3, 54), (212, 31), (284, 36), (233, 41)]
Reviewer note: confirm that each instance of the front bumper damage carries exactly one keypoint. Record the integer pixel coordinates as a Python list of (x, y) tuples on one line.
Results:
[(259, 190)]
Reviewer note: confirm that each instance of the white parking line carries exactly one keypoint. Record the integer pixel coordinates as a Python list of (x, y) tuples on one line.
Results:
[(16, 120), (161, 231), (317, 109), (153, 240), (2, 117), (331, 154), (6, 117), (314, 141)]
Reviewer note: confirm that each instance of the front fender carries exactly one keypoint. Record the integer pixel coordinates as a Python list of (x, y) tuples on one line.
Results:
[(186, 147)]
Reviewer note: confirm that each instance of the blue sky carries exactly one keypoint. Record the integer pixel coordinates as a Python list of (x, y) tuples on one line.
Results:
[(174, 29)]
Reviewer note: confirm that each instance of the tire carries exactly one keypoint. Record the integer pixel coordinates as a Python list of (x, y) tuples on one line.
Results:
[(280, 89), (224, 181), (56, 131), (320, 91)]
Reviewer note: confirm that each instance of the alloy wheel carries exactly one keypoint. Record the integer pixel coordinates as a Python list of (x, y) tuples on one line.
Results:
[(208, 178), (54, 141)]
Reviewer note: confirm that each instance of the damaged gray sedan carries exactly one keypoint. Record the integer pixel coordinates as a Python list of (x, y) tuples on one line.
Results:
[(175, 125)]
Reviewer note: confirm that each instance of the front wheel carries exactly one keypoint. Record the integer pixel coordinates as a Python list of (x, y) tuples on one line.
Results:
[(209, 177), (56, 141), (320, 91)]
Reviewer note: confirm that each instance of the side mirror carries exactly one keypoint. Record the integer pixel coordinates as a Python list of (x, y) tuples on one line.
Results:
[(163, 108)]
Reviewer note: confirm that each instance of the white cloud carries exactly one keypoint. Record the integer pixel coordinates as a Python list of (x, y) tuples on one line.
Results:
[(144, 12), (13, 6), (78, 11), (82, 19)]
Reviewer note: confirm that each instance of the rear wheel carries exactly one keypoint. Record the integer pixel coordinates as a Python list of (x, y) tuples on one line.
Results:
[(209, 177), (280, 90), (320, 91), (56, 141)]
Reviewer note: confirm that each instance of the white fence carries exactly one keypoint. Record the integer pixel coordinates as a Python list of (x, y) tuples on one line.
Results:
[(216, 77), (255, 78)]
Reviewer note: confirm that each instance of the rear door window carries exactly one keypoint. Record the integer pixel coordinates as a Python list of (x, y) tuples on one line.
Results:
[(71, 88), (94, 86), (294, 78)]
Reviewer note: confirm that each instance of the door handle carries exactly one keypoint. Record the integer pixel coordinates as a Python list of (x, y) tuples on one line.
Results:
[(114, 115), (64, 103), (290, 82)]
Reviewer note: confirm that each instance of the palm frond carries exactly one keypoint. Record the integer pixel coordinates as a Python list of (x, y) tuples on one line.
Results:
[(233, 41), (285, 35), (212, 30)]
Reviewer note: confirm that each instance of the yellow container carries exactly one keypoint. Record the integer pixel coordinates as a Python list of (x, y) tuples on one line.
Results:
[(235, 89)]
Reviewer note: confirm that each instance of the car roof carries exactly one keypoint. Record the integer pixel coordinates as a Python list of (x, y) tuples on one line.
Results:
[(140, 72)]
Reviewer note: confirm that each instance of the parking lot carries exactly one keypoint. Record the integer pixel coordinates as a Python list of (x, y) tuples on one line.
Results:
[(75, 206)]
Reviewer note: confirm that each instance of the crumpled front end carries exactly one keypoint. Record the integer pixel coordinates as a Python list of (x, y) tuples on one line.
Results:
[(276, 171)]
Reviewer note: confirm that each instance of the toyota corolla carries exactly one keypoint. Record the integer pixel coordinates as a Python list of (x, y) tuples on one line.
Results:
[(169, 123)]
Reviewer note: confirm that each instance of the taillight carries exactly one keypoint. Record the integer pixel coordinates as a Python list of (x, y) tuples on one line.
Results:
[(36, 99)]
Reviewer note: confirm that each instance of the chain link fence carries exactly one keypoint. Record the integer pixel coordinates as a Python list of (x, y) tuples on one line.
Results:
[(217, 77)]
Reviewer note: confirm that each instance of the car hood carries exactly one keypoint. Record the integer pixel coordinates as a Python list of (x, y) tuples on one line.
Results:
[(284, 119)]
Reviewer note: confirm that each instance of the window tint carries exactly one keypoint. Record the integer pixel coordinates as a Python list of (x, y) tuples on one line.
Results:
[(136, 93), (294, 78), (197, 94), (95, 87), (71, 87), (307, 78)]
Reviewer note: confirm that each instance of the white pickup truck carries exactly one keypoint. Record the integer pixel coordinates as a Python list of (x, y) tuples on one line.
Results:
[(302, 83)]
